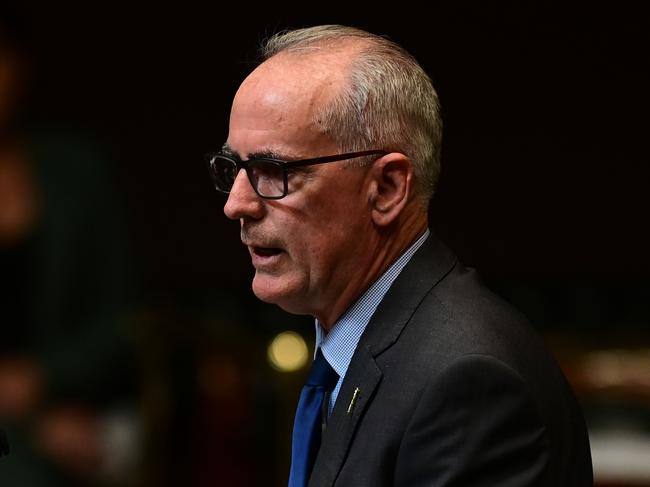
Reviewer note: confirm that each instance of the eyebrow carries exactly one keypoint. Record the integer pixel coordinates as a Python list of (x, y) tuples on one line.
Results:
[(267, 154)]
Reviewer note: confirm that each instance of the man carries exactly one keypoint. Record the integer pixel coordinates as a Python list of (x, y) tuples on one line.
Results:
[(438, 382)]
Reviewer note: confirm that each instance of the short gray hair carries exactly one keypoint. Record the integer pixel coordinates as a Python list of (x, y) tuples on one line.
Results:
[(388, 103)]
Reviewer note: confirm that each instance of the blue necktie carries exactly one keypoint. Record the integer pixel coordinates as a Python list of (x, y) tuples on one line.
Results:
[(309, 420)]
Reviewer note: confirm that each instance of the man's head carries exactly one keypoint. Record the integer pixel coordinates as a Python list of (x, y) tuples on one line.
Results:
[(325, 91), (386, 100)]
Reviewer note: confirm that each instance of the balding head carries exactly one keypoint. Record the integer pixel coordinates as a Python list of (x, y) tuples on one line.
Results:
[(385, 99)]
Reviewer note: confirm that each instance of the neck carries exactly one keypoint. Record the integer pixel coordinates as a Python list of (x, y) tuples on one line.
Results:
[(386, 246)]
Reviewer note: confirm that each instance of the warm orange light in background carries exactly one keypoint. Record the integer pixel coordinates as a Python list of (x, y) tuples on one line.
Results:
[(288, 352)]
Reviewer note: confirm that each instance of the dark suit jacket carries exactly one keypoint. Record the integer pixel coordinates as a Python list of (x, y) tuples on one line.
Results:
[(454, 389)]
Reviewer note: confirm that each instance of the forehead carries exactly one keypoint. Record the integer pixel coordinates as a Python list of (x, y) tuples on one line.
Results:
[(277, 106)]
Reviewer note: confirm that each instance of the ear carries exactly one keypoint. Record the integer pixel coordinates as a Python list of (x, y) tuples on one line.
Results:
[(390, 187)]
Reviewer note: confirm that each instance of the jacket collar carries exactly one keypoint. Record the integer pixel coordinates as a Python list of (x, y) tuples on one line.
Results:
[(426, 269)]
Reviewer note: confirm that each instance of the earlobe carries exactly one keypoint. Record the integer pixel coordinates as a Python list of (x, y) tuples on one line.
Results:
[(391, 188)]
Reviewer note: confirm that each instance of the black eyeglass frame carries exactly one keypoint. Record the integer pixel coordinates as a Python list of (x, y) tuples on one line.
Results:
[(284, 166)]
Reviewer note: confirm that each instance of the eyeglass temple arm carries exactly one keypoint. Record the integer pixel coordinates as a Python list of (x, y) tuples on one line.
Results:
[(337, 157)]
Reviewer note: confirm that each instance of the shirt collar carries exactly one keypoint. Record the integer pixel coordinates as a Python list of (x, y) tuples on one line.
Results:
[(339, 344)]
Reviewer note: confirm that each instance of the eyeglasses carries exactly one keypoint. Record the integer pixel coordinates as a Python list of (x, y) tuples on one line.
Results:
[(267, 176)]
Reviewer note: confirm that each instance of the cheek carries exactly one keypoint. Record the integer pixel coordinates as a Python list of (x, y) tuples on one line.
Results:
[(329, 244), (313, 244), (318, 236)]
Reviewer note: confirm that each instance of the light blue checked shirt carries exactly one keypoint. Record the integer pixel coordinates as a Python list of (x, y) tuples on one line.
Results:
[(339, 344)]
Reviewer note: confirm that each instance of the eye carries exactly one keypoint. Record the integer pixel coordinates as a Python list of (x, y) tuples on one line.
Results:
[(267, 177), (261, 170)]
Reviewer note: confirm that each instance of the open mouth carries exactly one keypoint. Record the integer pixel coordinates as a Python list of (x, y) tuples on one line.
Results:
[(266, 251)]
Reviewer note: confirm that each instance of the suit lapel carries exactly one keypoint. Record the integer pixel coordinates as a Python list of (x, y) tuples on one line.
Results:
[(360, 382), (426, 268)]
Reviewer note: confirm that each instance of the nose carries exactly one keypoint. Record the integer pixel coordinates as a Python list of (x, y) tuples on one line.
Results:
[(243, 201)]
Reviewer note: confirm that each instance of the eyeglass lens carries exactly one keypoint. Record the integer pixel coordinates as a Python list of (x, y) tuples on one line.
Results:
[(265, 176), (224, 172)]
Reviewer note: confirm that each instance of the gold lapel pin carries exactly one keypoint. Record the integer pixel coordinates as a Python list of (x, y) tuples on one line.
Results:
[(354, 398)]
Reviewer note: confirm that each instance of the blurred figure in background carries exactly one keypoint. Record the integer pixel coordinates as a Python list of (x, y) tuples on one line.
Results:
[(65, 355)]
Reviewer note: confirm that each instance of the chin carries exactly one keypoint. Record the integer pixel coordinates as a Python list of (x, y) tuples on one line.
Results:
[(268, 288), (278, 291)]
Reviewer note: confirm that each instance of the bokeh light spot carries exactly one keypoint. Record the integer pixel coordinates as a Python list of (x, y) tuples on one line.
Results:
[(288, 352)]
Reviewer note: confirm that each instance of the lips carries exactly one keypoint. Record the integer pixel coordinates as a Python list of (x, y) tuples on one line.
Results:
[(265, 258), (266, 251)]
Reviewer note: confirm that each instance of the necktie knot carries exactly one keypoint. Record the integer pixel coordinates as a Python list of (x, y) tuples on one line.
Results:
[(321, 373)]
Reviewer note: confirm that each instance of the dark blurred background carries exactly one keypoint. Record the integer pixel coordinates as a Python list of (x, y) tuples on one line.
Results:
[(544, 190)]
